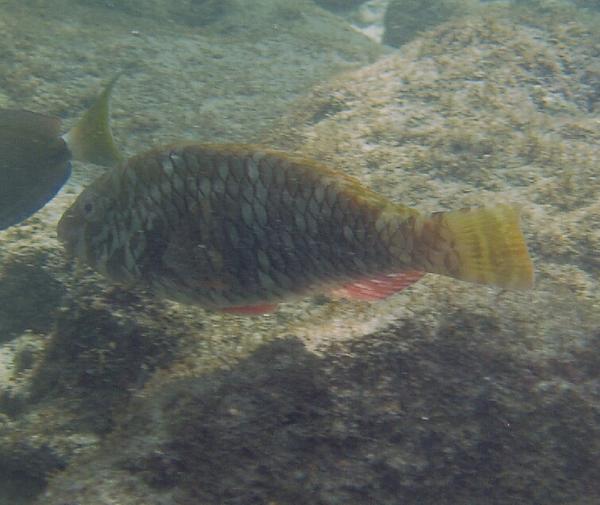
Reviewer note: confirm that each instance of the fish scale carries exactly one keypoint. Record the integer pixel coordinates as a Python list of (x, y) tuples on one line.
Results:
[(236, 226)]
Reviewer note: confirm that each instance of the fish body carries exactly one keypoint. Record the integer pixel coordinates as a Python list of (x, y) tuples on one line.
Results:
[(241, 228), (34, 163), (35, 160)]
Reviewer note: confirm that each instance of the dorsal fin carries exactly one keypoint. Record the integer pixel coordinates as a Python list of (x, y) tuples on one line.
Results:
[(91, 138)]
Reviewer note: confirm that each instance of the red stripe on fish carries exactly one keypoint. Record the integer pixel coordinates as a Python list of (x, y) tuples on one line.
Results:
[(376, 288)]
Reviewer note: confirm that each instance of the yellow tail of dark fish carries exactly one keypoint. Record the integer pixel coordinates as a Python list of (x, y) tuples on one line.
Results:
[(91, 138), (485, 246)]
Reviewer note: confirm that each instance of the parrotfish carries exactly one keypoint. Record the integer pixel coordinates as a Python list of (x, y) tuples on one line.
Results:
[(240, 228), (35, 161)]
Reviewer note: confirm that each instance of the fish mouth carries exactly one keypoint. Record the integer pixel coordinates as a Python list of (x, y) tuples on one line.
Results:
[(68, 234)]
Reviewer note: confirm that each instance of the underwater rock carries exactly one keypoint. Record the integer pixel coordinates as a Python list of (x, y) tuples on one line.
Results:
[(225, 81), (29, 295), (404, 19), (450, 416)]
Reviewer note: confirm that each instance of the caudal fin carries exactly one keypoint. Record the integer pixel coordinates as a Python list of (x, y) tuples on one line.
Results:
[(480, 245), (91, 138)]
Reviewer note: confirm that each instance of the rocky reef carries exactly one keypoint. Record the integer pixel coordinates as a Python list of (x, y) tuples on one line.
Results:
[(447, 393)]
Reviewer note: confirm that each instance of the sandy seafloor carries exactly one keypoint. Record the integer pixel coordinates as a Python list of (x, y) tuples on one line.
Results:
[(447, 393)]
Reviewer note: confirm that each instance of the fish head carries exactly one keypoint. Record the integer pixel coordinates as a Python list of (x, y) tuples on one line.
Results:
[(84, 228)]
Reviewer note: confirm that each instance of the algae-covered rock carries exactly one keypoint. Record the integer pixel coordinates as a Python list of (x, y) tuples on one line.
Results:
[(449, 417), (29, 296), (227, 80), (404, 19)]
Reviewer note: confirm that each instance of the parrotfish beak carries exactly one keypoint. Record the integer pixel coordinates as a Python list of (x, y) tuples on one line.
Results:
[(69, 233)]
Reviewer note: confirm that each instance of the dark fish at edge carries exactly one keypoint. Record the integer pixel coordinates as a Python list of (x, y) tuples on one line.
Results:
[(35, 161)]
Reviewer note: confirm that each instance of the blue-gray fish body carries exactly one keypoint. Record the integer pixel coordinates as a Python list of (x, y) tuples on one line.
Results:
[(34, 163)]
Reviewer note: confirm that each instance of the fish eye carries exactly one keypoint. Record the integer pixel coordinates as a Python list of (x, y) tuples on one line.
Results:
[(89, 206)]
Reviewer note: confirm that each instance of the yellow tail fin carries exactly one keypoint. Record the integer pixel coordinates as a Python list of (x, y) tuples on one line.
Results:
[(91, 139), (485, 246)]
